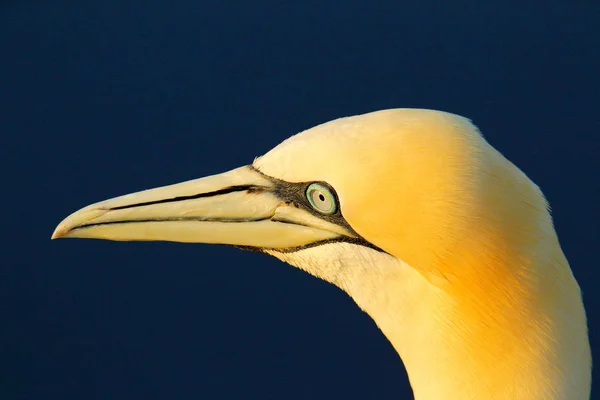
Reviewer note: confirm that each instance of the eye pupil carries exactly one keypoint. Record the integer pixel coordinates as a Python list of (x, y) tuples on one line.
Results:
[(321, 199)]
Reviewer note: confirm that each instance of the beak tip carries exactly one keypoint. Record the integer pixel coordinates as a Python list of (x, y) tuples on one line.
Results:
[(75, 220), (59, 232)]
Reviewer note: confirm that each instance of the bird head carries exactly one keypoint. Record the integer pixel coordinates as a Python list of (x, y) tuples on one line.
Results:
[(415, 184)]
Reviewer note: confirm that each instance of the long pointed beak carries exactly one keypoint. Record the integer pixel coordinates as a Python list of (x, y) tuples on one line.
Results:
[(240, 207)]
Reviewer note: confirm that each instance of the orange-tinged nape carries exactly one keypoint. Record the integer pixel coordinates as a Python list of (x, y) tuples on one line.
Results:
[(427, 188)]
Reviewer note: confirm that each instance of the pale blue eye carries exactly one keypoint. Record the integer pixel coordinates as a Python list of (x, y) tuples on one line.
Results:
[(321, 198)]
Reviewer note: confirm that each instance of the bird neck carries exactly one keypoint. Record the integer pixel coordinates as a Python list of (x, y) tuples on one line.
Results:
[(522, 344), (491, 335)]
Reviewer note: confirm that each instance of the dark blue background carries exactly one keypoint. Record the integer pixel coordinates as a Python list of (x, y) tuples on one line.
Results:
[(99, 99)]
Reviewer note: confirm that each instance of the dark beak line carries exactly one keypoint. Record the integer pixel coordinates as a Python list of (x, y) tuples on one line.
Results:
[(230, 189), (139, 221)]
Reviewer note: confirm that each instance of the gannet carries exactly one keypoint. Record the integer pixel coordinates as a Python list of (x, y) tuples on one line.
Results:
[(447, 245)]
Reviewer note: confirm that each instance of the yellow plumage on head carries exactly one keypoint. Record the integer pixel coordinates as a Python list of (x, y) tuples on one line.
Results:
[(445, 243)]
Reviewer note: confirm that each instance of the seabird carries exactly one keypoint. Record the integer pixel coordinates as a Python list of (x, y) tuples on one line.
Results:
[(447, 245)]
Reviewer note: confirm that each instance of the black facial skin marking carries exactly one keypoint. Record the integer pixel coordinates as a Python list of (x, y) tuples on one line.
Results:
[(295, 194)]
